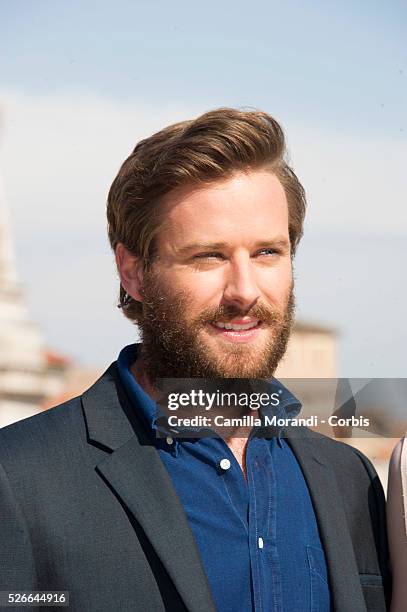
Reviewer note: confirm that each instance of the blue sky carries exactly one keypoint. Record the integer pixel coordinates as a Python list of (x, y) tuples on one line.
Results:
[(82, 82), (326, 61)]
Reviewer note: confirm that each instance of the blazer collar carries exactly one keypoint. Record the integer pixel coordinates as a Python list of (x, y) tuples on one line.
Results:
[(110, 419)]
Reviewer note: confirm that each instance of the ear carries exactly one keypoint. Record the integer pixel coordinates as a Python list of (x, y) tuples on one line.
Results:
[(130, 270)]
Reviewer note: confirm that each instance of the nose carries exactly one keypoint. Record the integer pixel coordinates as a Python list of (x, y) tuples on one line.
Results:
[(241, 290)]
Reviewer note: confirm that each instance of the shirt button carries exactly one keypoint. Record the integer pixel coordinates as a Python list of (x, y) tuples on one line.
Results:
[(261, 543), (169, 440), (224, 464)]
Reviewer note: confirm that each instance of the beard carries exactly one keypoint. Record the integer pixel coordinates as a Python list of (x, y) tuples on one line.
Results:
[(173, 347)]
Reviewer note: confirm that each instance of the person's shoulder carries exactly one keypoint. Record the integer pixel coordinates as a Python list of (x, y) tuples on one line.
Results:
[(398, 465), (53, 433), (43, 430), (353, 473), (396, 455), (342, 456)]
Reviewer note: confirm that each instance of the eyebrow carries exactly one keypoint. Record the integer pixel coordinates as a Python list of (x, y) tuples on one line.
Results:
[(279, 242)]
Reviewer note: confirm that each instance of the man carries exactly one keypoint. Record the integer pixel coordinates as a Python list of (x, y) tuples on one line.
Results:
[(204, 219)]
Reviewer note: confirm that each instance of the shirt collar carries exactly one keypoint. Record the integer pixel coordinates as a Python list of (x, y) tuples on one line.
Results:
[(288, 407), (146, 407)]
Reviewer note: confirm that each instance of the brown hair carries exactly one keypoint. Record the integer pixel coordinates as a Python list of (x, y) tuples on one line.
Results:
[(211, 147)]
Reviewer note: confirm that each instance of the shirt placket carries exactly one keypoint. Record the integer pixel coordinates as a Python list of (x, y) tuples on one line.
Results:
[(266, 578)]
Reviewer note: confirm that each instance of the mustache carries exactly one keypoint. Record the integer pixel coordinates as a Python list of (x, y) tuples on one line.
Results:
[(227, 313)]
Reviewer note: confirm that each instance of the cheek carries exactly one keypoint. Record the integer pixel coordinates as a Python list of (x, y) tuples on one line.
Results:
[(276, 285), (203, 289)]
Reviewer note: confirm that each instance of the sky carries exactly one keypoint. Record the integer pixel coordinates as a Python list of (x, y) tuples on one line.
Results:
[(82, 82)]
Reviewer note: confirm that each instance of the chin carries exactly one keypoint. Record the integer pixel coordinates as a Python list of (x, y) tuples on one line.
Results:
[(236, 366)]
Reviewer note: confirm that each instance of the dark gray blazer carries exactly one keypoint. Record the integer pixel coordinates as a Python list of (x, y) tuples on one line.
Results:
[(87, 506)]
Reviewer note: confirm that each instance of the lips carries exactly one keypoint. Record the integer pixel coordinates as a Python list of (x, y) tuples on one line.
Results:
[(237, 332), (236, 326)]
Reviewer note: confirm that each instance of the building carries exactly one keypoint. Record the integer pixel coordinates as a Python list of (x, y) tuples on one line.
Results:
[(28, 373), (312, 352)]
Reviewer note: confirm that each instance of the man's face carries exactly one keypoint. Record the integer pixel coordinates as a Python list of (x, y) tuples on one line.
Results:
[(223, 259)]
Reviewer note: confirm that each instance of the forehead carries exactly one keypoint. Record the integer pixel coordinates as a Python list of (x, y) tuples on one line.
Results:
[(248, 206)]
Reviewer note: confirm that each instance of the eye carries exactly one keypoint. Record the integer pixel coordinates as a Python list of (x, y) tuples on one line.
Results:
[(268, 251), (208, 256)]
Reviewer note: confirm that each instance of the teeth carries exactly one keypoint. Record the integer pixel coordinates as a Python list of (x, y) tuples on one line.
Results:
[(235, 326)]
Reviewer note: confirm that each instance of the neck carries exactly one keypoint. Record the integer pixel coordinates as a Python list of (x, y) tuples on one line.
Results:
[(139, 373)]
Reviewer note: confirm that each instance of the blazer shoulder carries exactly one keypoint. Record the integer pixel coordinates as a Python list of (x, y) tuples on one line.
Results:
[(343, 456), (42, 432), (55, 433)]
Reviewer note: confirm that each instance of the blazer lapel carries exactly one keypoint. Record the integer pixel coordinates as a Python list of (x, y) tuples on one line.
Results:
[(138, 477), (343, 571)]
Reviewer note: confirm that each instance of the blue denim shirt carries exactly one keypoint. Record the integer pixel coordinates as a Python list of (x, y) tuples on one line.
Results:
[(258, 538)]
